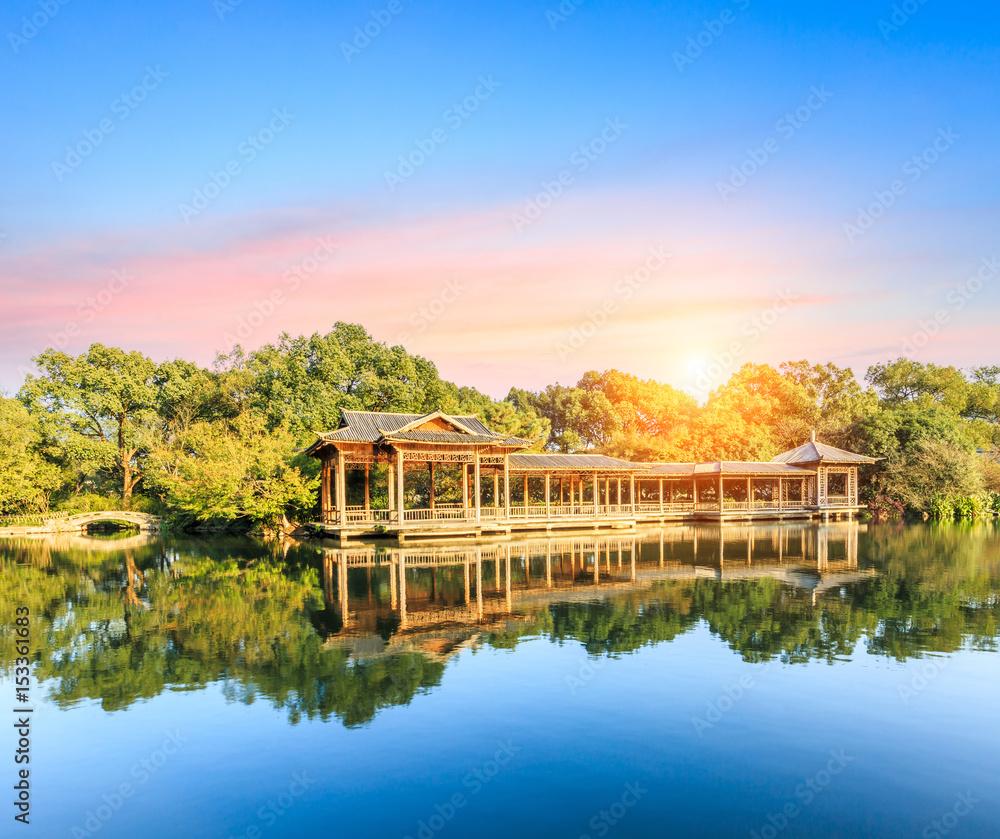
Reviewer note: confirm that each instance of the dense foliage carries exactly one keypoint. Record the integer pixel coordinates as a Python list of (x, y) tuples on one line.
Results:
[(218, 447)]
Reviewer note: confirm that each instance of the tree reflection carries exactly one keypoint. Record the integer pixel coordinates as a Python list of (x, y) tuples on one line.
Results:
[(120, 626)]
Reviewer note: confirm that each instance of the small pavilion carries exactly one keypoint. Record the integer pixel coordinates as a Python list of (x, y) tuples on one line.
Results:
[(836, 471)]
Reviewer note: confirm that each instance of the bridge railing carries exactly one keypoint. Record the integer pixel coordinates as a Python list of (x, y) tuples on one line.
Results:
[(32, 519)]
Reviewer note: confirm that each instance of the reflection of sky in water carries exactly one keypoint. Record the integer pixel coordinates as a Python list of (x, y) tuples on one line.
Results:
[(720, 743)]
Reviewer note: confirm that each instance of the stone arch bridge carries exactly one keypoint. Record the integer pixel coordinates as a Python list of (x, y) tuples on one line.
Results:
[(77, 523)]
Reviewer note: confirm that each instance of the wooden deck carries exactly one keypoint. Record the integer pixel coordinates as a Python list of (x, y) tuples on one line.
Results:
[(456, 522)]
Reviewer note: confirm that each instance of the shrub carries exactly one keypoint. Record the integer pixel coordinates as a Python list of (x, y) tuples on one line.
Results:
[(883, 508), (942, 507)]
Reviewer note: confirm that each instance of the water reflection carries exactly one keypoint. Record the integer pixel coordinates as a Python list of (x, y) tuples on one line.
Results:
[(343, 633), (395, 592)]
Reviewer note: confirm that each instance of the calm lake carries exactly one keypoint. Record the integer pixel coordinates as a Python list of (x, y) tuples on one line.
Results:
[(831, 680)]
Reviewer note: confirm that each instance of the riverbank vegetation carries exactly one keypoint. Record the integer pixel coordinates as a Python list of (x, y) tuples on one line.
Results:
[(220, 447)]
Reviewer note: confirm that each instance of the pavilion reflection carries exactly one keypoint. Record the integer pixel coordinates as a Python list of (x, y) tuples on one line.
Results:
[(402, 593)]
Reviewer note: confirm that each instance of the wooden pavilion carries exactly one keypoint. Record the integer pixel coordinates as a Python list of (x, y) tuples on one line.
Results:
[(441, 475)]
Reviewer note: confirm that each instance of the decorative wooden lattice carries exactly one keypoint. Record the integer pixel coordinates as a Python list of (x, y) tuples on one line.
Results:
[(353, 459), (439, 457)]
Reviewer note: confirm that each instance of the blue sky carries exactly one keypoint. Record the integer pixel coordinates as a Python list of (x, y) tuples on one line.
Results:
[(544, 80)]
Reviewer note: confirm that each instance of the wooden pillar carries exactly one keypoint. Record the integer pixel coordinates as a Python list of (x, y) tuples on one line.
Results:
[(324, 492), (392, 488), (342, 489), (465, 487), (400, 480), (430, 468), (661, 495), (720, 492), (548, 497), (478, 493), (496, 489), (632, 492), (595, 496), (749, 493), (368, 496), (506, 489), (525, 494), (619, 502)]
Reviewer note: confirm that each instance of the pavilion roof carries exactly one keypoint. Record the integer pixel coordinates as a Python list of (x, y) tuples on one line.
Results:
[(378, 427), (672, 468), (813, 452), (573, 463), (736, 467), (728, 467)]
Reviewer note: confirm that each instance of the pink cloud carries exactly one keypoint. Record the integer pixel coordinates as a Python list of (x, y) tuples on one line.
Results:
[(519, 294)]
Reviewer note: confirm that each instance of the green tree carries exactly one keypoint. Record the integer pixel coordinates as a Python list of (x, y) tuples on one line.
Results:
[(578, 419), (100, 406), (27, 477), (234, 470), (305, 382), (837, 399)]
